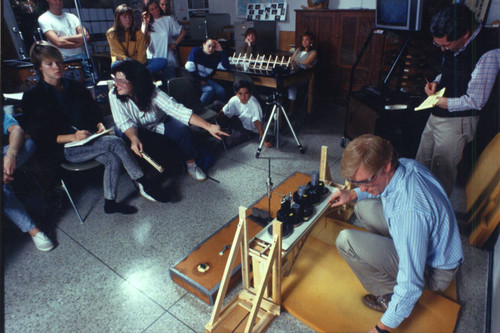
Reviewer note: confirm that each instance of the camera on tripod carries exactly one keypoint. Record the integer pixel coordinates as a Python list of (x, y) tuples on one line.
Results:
[(280, 70), (274, 97), (278, 73)]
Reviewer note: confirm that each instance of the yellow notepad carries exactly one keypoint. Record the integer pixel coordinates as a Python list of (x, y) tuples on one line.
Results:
[(430, 101)]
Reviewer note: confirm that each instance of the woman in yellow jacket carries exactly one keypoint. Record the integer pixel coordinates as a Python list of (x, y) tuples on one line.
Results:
[(126, 41)]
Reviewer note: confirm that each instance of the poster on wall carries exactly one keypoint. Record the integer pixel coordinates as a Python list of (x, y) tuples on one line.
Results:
[(244, 11), (266, 11)]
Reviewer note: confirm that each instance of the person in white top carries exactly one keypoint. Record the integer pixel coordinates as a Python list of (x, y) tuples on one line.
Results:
[(63, 30), (151, 120), (163, 34), (242, 115), (303, 58)]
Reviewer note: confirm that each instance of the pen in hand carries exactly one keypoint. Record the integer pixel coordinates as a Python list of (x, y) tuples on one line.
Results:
[(429, 88), (80, 134)]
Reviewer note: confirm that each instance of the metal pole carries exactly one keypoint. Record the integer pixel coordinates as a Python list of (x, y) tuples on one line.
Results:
[(90, 61)]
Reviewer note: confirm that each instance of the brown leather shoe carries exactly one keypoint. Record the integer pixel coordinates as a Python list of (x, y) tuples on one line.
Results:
[(377, 303)]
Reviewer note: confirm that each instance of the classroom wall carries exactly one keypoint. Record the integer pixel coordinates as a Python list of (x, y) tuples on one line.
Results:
[(231, 7), (225, 6)]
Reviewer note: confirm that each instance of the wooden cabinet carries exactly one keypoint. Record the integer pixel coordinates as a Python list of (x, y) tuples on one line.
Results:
[(340, 36)]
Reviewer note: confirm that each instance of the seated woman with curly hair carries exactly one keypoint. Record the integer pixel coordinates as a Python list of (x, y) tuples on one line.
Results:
[(149, 117)]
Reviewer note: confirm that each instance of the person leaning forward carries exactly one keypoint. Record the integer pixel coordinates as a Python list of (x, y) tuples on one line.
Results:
[(414, 241)]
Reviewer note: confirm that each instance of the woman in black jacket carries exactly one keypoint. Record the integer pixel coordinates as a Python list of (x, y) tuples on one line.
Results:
[(58, 111)]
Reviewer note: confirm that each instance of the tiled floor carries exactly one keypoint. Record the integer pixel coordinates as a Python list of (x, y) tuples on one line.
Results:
[(111, 274)]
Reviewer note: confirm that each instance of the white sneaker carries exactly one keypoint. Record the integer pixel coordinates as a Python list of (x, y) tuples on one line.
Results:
[(42, 242), (144, 194), (195, 172)]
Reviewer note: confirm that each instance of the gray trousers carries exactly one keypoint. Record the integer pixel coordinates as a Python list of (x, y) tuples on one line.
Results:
[(112, 153), (373, 257)]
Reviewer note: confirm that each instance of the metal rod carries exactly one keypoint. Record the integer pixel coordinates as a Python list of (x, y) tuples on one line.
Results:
[(90, 61)]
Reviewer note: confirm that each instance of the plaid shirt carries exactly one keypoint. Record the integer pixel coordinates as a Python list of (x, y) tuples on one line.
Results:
[(479, 88), (481, 82)]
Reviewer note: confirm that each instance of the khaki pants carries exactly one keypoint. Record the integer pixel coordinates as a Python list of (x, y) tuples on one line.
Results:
[(442, 144), (373, 257)]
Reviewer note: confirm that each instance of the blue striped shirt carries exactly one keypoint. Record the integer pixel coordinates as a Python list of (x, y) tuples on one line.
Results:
[(423, 227)]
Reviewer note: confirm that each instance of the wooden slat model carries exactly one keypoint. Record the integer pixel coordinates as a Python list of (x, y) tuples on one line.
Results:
[(259, 63)]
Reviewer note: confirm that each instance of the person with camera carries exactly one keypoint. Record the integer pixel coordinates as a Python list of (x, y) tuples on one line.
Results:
[(414, 241)]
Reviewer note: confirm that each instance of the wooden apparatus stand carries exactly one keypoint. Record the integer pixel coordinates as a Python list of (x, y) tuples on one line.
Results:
[(256, 305), (251, 303)]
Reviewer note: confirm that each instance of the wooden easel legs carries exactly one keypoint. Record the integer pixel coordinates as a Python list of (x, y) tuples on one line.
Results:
[(249, 305)]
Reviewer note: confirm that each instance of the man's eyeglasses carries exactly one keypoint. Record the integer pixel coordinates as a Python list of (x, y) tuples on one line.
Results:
[(446, 47), (451, 45), (365, 181)]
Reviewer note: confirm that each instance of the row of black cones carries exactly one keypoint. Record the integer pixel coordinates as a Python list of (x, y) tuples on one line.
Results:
[(298, 208)]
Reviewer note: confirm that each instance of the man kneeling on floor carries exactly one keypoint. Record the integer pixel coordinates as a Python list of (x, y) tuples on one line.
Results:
[(414, 240)]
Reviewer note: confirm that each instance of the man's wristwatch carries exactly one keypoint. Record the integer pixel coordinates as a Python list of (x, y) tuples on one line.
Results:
[(379, 330)]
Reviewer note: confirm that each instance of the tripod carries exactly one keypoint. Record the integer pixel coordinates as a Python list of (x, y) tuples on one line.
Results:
[(275, 113)]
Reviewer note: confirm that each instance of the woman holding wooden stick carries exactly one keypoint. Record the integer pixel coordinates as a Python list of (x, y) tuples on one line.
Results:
[(151, 119)]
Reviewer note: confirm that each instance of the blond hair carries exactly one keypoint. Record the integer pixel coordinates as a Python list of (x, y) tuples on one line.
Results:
[(370, 151)]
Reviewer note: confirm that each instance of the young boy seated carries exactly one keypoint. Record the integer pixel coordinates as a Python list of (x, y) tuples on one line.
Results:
[(242, 115)]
